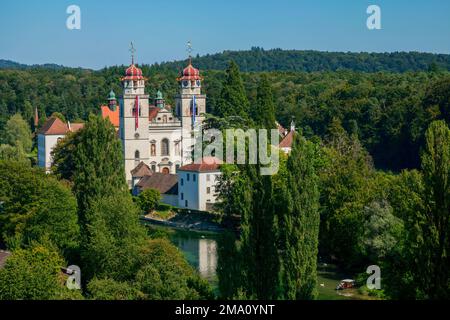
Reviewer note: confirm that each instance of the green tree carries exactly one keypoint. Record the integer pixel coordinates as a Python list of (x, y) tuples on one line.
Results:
[(263, 113), (13, 153), (233, 100), (113, 238), (165, 274), (109, 289), (347, 183), (299, 222), (149, 200), (17, 133), (36, 206), (436, 229), (33, 274), (96, 163)]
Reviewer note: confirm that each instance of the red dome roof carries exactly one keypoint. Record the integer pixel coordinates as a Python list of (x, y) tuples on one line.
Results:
[(133, 73), (190, 73)]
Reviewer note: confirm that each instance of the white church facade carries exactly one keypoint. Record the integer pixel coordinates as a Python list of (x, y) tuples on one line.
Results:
[(156, 134)]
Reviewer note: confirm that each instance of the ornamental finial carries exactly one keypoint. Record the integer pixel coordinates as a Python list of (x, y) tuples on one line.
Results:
[(189, 50), (132, 50)]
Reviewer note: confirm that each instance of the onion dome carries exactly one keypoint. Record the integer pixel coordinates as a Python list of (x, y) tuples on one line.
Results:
[(133, 73), (111, 96), (190, 73)]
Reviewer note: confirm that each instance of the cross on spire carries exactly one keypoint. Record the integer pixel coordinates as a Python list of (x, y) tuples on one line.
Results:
[(132, 50)]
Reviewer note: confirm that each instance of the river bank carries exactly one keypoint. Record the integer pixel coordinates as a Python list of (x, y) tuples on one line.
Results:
[(187, 221)]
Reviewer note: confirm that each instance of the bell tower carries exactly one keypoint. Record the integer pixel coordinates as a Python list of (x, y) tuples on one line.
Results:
[(134, 121), (190, 105)]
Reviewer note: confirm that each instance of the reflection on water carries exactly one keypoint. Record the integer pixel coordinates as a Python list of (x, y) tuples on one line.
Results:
[(200, 251)]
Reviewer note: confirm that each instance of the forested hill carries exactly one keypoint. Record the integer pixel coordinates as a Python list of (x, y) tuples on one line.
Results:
[(258, 59), (8, 64)]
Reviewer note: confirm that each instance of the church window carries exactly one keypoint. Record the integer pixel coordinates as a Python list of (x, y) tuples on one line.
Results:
[(165, 147), (164, 119), (153, 149), (137, 155), (208, 190), (153, 168)]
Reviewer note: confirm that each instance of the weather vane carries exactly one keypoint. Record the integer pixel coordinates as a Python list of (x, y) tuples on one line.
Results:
[(132, 50)]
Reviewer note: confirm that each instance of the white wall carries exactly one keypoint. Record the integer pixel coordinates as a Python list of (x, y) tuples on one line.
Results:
[(204, 184), (195, 192), (46, 143), (157, 134), (188, 190)]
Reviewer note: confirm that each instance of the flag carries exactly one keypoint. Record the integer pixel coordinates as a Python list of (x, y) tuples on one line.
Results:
[(136, 113), (36, 118), (194, 110)]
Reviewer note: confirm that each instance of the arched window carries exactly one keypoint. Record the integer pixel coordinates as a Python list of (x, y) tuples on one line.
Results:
[(164, 147), (137, 155), (153, 149), (164, 119)]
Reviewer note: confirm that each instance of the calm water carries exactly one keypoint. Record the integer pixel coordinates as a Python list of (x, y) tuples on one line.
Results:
[(200, 250)]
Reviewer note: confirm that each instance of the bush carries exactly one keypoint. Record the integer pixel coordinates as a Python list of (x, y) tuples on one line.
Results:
[(149, 200)]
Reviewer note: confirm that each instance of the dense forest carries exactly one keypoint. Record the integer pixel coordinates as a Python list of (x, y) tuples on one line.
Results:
[(389, 111), (328, 201), (257, 59)]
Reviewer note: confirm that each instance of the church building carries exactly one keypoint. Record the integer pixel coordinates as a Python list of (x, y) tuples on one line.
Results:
[(151, 131)]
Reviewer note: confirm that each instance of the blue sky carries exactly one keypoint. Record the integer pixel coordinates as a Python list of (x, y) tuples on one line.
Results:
[(35, 31)]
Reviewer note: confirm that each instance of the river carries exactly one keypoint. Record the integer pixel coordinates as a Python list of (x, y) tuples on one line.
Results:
[(199, 248)]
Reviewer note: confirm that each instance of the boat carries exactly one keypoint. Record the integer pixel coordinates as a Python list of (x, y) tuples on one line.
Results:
[(346, 284)]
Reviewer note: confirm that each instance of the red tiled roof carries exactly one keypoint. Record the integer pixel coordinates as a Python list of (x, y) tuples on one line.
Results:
[(152, 112), (76, 126), (55, 126), (208, 164), (164, 183), (141, 170), (281, 130), (113, 116), (287, 140), (133, 73), (190, 73)]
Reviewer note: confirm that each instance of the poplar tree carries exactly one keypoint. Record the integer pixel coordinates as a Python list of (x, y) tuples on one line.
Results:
[(299, 223), (263, 113), (233, 99), (435, 224)]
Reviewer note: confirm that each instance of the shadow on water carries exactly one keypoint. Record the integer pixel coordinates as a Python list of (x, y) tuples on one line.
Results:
[(200, 250)]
